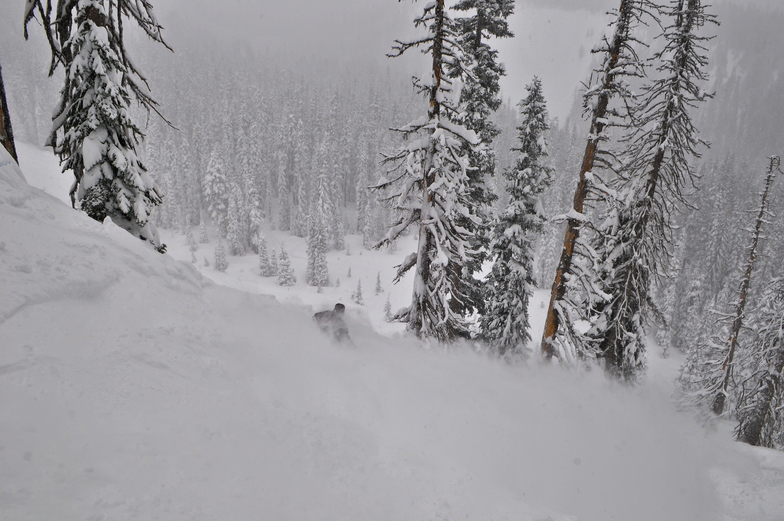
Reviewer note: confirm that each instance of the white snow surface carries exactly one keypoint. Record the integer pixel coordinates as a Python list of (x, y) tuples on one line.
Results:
[(132, 387)]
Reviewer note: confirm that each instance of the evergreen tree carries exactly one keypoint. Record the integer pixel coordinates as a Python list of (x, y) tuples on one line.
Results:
[(220, 257), (605, 101), (285, 272), (633, 241), (318, 272), (284, 195), (479, 99), (428, 183), (216, 192), (203, 237), (378, 283), (274, 263), (265, 266), (234, 234), (510, 283), (92, 131), (356, 296), (388, 310)]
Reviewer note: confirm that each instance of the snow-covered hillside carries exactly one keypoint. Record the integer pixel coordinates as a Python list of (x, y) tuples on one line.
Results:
[(133, 387)]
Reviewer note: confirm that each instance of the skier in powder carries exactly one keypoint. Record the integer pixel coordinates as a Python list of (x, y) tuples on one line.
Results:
[(331, 322)]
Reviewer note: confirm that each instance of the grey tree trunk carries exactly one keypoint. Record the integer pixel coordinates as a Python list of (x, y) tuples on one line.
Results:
[(6, 132)]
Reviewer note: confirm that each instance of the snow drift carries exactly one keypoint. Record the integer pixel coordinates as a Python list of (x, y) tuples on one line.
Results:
[(132, 387)]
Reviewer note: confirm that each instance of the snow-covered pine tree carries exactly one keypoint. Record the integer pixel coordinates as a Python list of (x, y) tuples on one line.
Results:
[(605, 101), (203, 237), (6, 132), (274, 263), (220, 257), (285, 272), (378, 283), (356, 296), (510, 283), (388, 310), (318, 234), (428, 184), (234, 232), (92, 130), (761, 403), (252, 215), (216, 192), (265, 266), (633, 242), (284, 194), (479, 99), (336, 225)]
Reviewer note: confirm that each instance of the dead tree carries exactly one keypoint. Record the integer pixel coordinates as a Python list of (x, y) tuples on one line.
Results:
[(727, 366)]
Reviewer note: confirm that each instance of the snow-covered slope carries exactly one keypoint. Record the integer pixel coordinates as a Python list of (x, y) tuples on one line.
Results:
[(132, 387)]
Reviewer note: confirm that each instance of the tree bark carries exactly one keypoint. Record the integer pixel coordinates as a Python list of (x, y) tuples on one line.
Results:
[(721, 396), (598, 122), (6, 132), (420, 314)]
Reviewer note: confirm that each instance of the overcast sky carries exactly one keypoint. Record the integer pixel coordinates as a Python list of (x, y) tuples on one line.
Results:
[(553, 37)]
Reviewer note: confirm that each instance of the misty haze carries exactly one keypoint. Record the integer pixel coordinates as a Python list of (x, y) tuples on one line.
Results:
[(392, 260)]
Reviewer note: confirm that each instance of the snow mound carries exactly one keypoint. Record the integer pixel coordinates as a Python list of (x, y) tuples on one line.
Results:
[(131, 387)]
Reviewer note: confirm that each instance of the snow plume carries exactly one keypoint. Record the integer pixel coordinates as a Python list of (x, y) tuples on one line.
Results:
[(130, 386)]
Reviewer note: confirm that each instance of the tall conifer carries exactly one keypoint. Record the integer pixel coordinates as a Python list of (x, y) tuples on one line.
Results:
[(428, 184), (92, 130), (510, 283)]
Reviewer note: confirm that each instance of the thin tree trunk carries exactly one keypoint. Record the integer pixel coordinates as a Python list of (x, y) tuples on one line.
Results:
[(721, 395), (598, 122), (6, 132)]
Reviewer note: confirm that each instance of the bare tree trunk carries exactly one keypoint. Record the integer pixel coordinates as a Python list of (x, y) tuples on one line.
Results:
[(598, 123), (6, 132), (721, 395)]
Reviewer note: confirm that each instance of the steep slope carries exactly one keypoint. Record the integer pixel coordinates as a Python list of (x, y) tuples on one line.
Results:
[(130, 387)]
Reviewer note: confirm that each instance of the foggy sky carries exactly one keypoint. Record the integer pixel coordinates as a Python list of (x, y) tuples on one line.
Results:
[(553, 37)]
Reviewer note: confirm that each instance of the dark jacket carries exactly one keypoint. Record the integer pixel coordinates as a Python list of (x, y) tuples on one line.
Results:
[(331, 322)]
